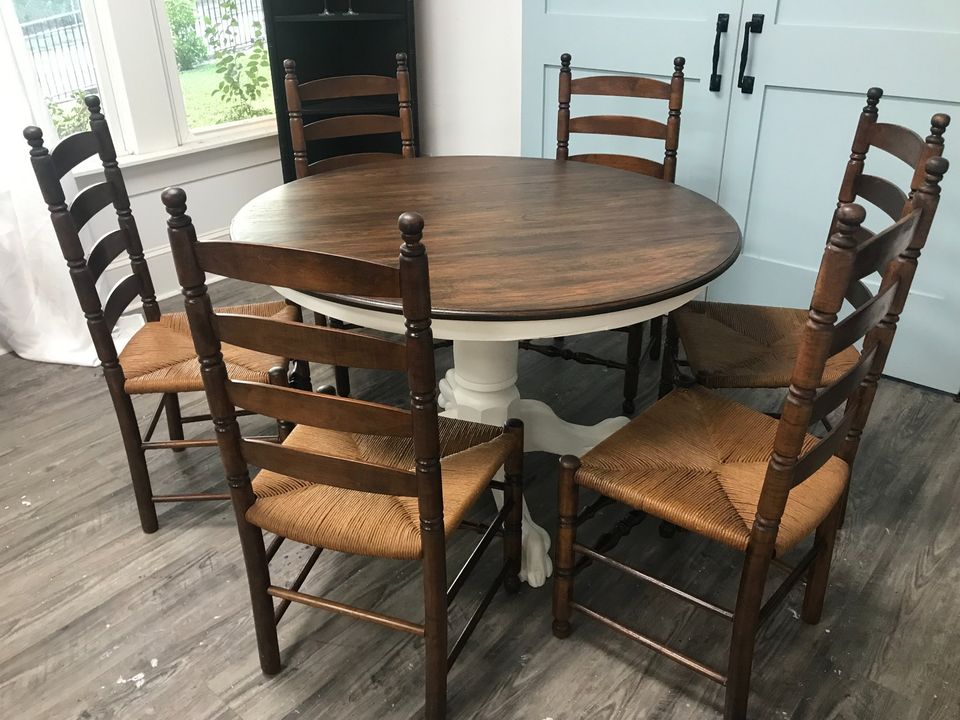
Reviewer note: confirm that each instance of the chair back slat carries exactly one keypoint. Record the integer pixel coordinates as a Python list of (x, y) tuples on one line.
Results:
[(817, 456), (73, 150), (318, 410), (858, 323), (874, 254), (624, 125), (621, 86), (348, 86), (884, 194), (286, 267), (839, 391), (328, 470), (107, 249), (347, 126), (342, 161), (89, 202), (312, 343), (622, 162), (899, 141), (351, 126), (119, 299)]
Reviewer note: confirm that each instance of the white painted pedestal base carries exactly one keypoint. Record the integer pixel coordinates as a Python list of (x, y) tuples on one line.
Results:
[(482, 387)]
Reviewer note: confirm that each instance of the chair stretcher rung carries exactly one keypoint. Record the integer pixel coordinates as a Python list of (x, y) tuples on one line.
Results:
[(195, 497), (692, 599), (333, 606), (478, 550), (678, 657)]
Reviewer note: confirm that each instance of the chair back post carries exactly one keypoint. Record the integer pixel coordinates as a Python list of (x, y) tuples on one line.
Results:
[(901, 271), (407, 142), (563, 114), (421, 374), (836, 271), (291, 86), (213, 370), (858, 150), (933, 148), (121, 203), (415, 293), (72, 249), (673, 121)]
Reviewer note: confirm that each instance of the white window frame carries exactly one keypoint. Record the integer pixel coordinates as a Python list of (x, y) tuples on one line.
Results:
[(140, 84)]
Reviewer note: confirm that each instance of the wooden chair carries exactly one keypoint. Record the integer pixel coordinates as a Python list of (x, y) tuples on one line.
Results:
[(160, 357), (339, 88), (741, 478), (731, 345), (669, 132), (344, 87), (353, 476)]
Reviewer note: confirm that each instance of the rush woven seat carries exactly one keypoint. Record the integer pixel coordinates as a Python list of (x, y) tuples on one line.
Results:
[(748, 346), (370, 523), (698, 460), (161, 358)]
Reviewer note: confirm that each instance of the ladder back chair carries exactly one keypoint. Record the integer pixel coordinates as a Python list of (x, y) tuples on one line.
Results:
[(732, 345), (347, 126), (355, 477), (344, 126), (623, 126), (746, 480), (159, 358)]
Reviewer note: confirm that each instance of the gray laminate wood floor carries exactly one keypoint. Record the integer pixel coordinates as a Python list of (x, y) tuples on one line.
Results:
[(101, 621)]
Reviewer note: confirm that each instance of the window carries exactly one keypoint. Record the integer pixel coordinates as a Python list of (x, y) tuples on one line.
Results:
[(169, 72), (58, 47), (221, 58)]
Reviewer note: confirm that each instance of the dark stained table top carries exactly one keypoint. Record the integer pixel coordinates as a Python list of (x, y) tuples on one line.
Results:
[(509, 238)]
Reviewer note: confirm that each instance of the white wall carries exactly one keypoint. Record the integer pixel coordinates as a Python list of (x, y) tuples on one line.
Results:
[(468, 57)]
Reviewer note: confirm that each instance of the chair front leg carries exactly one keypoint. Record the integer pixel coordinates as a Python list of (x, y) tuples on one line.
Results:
[(746, 620), (668, 362), (278, 377), (819, 572), (656, 337), (566, 537), (513, 524), (631, 378)]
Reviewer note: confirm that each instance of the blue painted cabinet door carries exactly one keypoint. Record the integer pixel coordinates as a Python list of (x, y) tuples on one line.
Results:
[(631, 37), (788, 142)]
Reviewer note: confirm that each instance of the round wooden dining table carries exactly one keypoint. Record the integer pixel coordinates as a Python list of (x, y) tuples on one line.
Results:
[(519, 248)]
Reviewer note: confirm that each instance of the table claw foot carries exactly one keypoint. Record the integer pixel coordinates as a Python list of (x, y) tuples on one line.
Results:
[(535, 564)]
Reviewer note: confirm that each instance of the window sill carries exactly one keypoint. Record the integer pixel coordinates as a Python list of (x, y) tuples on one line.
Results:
[(205, 141)]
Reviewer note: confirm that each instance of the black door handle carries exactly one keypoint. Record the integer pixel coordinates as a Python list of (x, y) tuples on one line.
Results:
[(723, 22), (745, 82)]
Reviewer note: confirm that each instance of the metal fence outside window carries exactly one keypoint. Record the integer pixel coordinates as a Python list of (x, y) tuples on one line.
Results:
[(60, 48), (61, 56)]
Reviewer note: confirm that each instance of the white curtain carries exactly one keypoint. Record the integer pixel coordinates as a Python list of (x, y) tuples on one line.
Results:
[(40, 317)]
